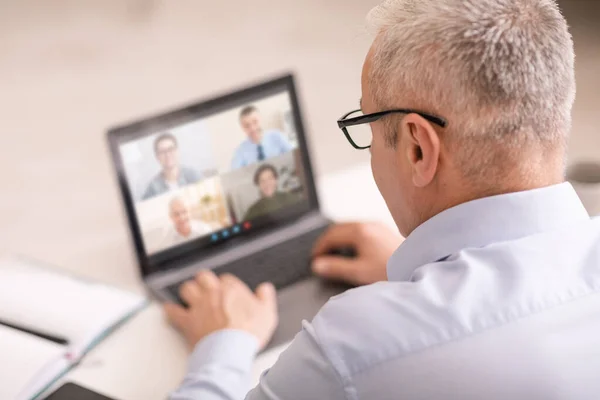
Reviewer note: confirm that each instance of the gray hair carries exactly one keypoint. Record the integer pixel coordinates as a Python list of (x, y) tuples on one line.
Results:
[(500, 71), (177, 199)]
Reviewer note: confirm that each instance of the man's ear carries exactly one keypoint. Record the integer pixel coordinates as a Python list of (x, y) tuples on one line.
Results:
[(421, 147)]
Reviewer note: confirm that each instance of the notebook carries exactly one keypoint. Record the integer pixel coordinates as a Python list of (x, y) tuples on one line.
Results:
[(48, 321)]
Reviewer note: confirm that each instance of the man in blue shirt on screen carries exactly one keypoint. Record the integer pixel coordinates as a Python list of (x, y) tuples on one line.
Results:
[(260, 144)]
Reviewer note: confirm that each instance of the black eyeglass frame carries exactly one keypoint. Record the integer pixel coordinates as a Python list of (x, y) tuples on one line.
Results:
[(345, 122)]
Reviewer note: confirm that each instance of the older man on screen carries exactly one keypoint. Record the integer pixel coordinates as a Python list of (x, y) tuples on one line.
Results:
[(261, 144), (495, 293), (183, 228)]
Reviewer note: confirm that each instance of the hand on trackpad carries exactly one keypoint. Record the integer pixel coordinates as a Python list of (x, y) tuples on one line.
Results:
[(355, 253)]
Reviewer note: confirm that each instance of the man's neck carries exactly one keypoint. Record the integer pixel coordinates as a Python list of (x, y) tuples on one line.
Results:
[(171, 175), (517, 181), (258, 140), (468, 191)]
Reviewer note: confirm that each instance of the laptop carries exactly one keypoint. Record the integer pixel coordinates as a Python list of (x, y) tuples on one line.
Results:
[(226, 184)]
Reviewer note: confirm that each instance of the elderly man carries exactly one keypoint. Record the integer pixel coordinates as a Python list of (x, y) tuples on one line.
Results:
[(495, 294), (183, 227)]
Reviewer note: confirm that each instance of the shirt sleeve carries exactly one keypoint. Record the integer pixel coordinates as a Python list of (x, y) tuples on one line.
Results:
[(284, 144), (219, 368), (302, 372), (221, 364)]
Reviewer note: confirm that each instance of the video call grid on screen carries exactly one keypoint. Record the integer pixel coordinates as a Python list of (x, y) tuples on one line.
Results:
[(220, 183)]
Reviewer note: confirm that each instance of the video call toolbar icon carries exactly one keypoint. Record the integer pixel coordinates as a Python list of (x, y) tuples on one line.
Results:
[(247, 225), (226, 233)]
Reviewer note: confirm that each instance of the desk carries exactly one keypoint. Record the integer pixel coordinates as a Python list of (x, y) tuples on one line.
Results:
[(146, 358)]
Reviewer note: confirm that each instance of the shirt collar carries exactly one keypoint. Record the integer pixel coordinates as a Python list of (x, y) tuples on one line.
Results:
[(484, 221)]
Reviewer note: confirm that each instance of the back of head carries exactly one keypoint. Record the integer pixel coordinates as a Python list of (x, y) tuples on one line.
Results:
[(500, 71)]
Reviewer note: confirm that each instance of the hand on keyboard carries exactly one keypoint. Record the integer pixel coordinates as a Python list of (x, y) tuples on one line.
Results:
[(373, 244), (225, 302)]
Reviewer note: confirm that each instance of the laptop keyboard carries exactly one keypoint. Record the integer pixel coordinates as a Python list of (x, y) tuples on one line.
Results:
[(282, 265)]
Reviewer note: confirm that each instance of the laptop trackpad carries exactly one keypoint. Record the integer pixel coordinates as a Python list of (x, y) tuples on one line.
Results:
[(301, 301)]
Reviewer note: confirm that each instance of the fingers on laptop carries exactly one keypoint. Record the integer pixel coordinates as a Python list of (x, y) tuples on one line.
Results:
[(339, 235), (190, 292), (207, 283), (266, 293), (232, 282), (337, 268), (207, 279)]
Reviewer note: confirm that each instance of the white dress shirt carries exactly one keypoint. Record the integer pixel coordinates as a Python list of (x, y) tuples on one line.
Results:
[(498, 298)]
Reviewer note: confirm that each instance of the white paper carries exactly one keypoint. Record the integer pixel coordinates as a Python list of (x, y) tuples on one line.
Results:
[(54, 303), (22, 357)]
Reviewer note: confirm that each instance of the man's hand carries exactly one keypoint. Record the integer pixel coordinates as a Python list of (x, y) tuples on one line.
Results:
[(224, 303), (374, 243)]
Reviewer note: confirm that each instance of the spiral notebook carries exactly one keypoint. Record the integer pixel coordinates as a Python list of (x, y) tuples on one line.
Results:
[(48, 321)]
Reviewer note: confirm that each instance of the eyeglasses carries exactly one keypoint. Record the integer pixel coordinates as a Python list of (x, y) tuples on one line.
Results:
[(357, 130), (166, 150)]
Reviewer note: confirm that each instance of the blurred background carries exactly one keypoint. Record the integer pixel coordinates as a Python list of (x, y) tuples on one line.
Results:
[(69, 69)]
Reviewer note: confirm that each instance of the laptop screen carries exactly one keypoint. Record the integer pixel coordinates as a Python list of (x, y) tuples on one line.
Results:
[(214, 172)]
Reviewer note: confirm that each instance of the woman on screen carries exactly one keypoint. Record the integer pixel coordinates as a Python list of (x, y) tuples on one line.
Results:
[(266, 179)]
